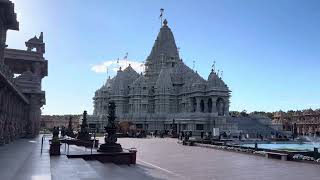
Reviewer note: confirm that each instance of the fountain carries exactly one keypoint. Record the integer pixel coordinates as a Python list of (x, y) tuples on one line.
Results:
[(315, 141)]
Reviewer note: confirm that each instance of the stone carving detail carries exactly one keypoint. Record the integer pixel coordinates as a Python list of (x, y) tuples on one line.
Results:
[(20, 98)]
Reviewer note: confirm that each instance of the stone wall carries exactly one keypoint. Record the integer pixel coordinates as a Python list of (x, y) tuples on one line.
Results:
[(50, 121)]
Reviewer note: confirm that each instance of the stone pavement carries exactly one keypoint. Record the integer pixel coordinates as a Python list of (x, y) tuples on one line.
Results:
[(157, 159), (22, 160), (190, 162)]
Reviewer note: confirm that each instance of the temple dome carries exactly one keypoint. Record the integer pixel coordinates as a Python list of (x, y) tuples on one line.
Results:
[(164, 52), (214, 81), (308, 112), (164, 45), (120, 83), (34, 40)]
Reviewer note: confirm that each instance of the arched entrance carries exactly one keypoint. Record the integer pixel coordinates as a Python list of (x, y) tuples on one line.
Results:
[(220, 106)]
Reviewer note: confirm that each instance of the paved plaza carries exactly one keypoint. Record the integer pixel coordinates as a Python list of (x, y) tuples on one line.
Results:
[(157, 159)]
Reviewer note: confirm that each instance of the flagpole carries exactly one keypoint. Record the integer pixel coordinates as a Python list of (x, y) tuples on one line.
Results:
[(161, 14)]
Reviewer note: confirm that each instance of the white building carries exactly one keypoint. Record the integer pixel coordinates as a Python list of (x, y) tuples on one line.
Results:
[(168, 91)]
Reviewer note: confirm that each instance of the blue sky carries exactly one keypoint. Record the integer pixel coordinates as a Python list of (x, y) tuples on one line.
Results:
[(269, 50)]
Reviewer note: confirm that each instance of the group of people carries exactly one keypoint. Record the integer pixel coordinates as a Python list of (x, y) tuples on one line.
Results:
[(63, 131)]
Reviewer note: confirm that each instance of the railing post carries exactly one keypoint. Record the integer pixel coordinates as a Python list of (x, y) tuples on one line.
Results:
[(41, 143)]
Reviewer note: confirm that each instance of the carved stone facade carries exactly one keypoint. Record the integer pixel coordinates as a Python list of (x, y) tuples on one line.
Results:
[(306, 122), (168, 90), (21, 97), (50, 121)]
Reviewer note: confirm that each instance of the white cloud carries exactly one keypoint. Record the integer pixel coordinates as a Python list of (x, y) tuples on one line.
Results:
[(114, 65)]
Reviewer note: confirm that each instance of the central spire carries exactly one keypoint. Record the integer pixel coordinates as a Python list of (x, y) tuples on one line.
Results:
[(164, 51)]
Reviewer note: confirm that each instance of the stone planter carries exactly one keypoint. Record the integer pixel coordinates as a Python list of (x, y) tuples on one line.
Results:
[(54, 149)]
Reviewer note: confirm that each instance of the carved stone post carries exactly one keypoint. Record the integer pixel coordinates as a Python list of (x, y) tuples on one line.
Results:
[(214, 104), (198, 104), (1, 114)]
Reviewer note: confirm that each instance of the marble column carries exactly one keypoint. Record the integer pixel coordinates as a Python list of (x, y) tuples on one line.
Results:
[(226, 107), (1, 114), (6, 116), (214, 104), (198, 104)]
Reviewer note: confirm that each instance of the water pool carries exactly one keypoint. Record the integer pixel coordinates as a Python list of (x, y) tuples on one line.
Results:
[(286, 146)]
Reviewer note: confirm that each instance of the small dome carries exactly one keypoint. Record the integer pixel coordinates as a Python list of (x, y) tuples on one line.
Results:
[(215, 81), (34, 40), (120, 83), (308, 112)]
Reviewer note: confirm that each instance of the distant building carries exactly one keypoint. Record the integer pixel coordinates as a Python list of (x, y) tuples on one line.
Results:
[(306, 122), (21, 96), (50, 121), (169, 91)]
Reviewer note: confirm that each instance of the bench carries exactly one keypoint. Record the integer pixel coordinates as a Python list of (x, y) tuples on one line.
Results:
[(282, 156)]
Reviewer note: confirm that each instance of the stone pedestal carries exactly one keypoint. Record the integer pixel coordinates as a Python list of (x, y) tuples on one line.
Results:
[(110, 147), (54, 149)]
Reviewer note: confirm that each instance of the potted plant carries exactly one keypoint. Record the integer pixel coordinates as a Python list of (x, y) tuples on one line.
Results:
[(55, 142)]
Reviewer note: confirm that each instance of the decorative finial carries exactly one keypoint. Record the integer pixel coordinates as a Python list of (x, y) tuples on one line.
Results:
[(214, 66), (193, 65), (165, 22), (161, 14), (129, 65), (41, 37), (120, 68)]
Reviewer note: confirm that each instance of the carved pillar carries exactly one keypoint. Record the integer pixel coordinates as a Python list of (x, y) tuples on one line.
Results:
[(198, 104), (1, 114), (11, 115), (214, 104), (34, 114), (226, 107), (190, 105), (3, 34), (6, 117)]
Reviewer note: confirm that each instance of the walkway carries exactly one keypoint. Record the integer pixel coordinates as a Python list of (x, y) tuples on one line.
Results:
[(157, 159)]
